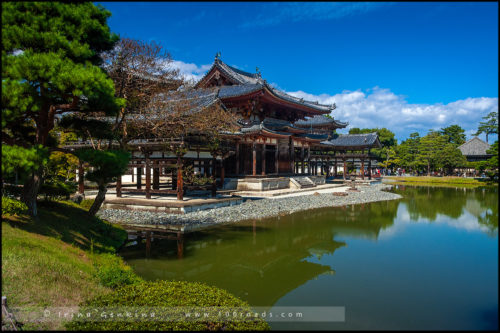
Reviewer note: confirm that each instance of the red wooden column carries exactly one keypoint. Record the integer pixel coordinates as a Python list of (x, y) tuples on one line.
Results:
[(254, 158), (81, 185), (327, 167), (180, 181), (335, 165), (222, 170), (292, 155), (237, 158), (302, 159), (362, 170), (276, 157), (345, 166), (369, 165), (264, 158), (156, 176), (139, 177), (148, 176)]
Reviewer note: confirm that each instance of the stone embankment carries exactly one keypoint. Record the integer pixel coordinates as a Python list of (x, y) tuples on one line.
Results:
[(252, 209)]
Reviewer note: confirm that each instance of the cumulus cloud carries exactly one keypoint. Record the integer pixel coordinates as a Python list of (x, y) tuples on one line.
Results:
[(190, 71), (380, 107)]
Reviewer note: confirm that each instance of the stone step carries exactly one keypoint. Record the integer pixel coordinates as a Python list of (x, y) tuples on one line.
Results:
[(304, 182)]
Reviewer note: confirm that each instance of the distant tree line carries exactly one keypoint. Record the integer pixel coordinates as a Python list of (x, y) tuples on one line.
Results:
[(436, 152)]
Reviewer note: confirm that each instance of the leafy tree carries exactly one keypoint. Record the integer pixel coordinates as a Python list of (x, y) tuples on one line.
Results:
[(492, 163), (455, 133), (430, 147), (107, 166), (50, 66), (490, 126)]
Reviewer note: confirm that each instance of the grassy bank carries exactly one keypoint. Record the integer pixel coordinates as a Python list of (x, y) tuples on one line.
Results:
[(57, 260), (439, 181), (66, 258)]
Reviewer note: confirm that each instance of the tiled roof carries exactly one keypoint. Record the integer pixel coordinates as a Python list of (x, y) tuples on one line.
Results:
[(238, 90), (242, 78), (354, 140), (474, 146), (319, 120)]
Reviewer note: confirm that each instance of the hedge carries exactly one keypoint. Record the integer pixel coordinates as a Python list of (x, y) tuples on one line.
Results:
[(169, 301)]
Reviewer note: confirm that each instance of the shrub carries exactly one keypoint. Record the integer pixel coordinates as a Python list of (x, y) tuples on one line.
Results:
[(58, 190), (12, 206), (174, 298), (112, 272)]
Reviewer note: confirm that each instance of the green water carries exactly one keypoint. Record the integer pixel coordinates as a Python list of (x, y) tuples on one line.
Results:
[(427, 261)]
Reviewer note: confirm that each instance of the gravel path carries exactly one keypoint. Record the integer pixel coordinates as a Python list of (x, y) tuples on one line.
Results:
[(251, 209)]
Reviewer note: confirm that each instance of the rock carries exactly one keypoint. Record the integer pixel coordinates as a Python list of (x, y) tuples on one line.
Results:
[(340, 194), (78, 198)]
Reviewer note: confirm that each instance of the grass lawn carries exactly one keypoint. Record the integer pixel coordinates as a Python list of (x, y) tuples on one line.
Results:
[(439, 181), (52, 261), (66, 258)]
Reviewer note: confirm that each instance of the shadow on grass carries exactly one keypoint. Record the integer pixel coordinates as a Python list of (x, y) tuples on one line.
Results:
[(71, 224)]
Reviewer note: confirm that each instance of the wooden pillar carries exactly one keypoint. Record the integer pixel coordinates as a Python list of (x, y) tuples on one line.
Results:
[(291, 154), (206, 167), (362, 168), (276, 157), (264, 159), (139, 177), (327, 167), (148, 176), (302, 164), (345, 167), (81, 184), (254, 158), (119, 186), (308, 160), (237, 158), (335, 166), (222, 172), (369, 165), (180, 181), (156, 177)]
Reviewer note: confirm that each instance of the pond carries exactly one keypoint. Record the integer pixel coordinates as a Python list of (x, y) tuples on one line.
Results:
[(427, 261)]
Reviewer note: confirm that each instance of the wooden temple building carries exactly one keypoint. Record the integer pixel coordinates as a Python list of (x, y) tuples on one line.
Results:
[(280, 137)]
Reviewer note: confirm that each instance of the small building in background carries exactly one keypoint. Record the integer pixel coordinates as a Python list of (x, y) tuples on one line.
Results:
[(475, 150)]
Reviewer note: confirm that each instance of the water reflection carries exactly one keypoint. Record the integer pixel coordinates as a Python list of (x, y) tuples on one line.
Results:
[(468, 208), (344, 252)]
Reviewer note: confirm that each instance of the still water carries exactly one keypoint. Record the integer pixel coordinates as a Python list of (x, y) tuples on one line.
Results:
[(427, 261)]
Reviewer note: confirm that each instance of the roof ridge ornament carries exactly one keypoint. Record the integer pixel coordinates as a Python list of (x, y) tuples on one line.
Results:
[(257, 71), (217, 56)]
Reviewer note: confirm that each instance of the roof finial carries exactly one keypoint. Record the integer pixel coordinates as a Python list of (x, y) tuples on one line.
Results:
[(217, 56), (257, 70)]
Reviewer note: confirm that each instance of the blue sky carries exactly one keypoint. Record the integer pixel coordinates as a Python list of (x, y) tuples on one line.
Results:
[(406, 66)]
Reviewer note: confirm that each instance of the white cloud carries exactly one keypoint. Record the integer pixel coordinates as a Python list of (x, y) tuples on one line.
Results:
[(382, 108), (189, 71)]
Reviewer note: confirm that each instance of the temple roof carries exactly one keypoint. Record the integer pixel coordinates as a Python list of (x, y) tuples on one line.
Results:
[(245, 83), (355, 141), (319, 120), (474, 147)]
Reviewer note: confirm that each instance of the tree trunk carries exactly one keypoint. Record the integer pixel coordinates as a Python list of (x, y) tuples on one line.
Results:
[(30, 191), (99, 199)]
